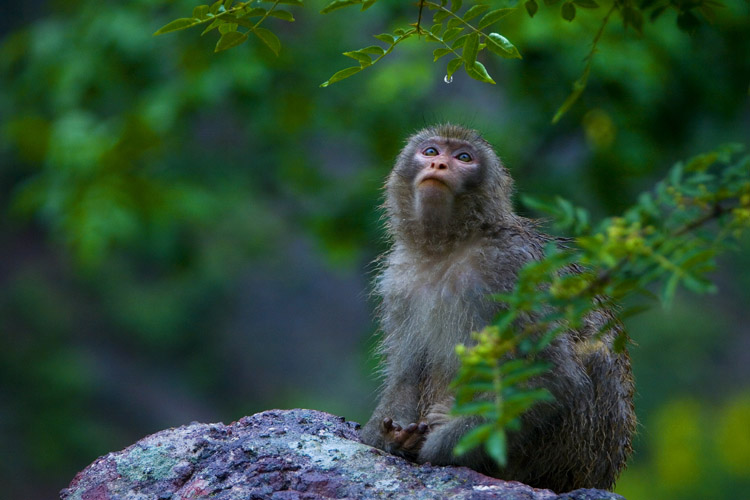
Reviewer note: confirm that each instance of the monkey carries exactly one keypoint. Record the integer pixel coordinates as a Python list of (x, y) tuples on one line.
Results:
[(455, 240)]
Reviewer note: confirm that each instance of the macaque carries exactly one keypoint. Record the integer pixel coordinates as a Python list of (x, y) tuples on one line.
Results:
[(456, 241)]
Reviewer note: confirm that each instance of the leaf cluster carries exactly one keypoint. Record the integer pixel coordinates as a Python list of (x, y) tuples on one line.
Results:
[(462, 32), (669, 238), (228, 17)]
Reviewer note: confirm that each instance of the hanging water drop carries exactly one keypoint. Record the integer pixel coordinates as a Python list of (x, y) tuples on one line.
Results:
[(448, 79)]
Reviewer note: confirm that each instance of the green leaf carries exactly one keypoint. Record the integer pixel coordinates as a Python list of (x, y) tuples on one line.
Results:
[(453, 65), (373, 49), (440, 16), (568, 11), (215, 24), (367, 4), (531, 7), (482, 408), (218, 4), (525, 373), (497, 446), (271, 40), (493, 17), (456, 5), (518, 402), (586, 4), (387, 38), (578, 87), (634, 18), (200, 12), (177, 24), (363, 59), (438, 53), (227, 28), (459, 42), (254, 12), (667, 294), (658, 12), (338, 4), (340, 75), (229, 40), (451, 33), (282, 14), (471, 47), (501, 46), (479, 72), (473, 438), (474, 11), (687, 21), (454, 22)]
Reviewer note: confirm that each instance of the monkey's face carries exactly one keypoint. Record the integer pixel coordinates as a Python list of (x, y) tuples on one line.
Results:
[(442, 170)]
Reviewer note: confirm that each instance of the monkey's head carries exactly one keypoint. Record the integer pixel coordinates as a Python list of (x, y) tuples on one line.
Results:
[(447, 183)]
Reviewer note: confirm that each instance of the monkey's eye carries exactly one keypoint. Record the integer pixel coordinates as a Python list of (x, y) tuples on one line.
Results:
[(465, 157), (430, 151)]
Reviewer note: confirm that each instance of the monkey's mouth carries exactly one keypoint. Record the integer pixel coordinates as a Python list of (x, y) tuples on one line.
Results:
[(432, 182)]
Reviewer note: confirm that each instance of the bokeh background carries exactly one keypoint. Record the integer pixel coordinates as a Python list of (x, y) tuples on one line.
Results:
[(187, 236)]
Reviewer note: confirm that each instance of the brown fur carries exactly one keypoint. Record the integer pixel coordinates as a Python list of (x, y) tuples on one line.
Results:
[(447, 257)]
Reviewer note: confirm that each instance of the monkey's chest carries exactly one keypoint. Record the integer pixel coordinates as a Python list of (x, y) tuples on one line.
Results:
[(431, 308)]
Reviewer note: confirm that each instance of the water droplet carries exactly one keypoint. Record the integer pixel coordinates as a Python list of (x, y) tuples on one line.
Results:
[(448, 79)]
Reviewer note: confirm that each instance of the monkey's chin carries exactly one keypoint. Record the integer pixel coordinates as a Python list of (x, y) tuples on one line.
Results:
[(434, 202)]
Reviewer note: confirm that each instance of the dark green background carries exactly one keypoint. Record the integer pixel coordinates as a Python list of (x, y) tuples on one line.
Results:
[(188, 236)]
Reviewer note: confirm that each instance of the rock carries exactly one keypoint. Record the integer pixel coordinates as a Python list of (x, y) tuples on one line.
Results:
[(282, 455)]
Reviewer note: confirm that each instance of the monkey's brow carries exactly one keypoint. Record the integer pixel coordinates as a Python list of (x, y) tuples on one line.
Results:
[(448, 141)]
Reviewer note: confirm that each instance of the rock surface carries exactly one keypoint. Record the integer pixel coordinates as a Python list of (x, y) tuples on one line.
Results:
[(282, 455)]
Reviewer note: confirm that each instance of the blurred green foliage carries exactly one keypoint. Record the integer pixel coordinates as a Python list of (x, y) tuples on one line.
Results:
[(185, 234)]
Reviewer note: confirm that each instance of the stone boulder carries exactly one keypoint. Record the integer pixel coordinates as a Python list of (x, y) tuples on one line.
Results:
[(282, 455)]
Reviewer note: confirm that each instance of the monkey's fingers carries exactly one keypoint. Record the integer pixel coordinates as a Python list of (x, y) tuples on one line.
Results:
[(388, 424)]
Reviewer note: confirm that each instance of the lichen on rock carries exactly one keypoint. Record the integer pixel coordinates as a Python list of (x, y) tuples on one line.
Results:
[(282, 455)]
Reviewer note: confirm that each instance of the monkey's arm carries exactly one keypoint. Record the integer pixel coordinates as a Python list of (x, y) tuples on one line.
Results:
[(394, 425)]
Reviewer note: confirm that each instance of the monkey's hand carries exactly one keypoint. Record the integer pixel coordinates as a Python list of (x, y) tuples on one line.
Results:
[(404, 441)]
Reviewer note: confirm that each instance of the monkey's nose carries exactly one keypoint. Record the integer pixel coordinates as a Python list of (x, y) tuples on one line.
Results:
[(439, 166)]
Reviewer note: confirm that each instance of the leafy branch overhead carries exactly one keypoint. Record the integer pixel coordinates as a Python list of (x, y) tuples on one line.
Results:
[(669, 238), (462, 33), (452, 31), (228, 18)]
